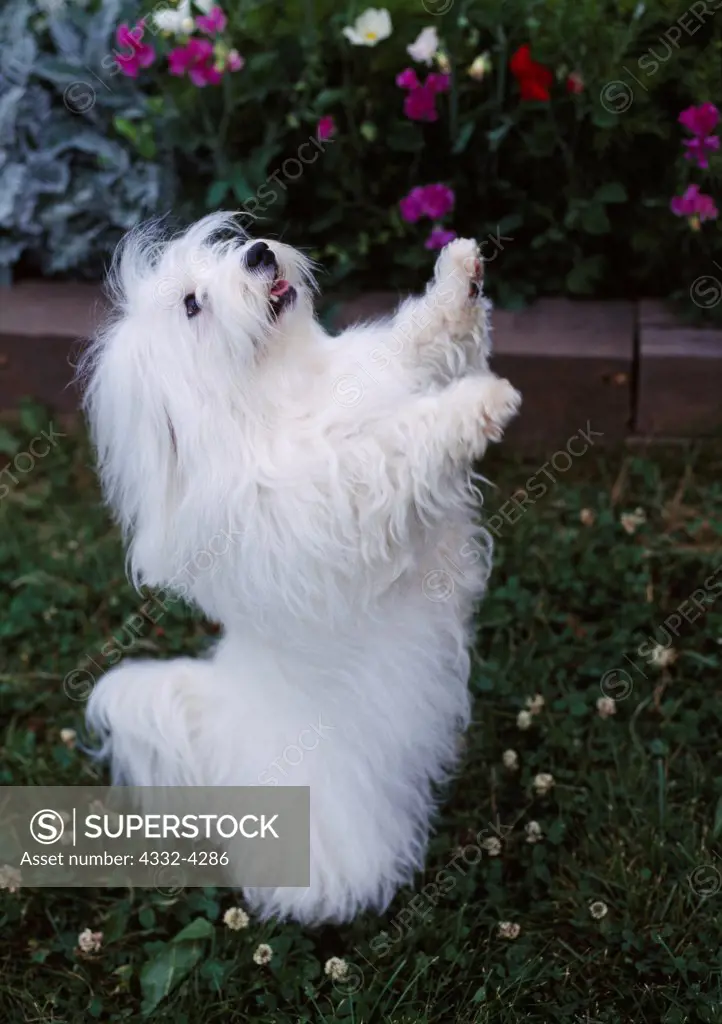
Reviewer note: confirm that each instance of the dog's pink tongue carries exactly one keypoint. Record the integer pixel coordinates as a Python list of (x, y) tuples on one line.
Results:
[(280, 287)]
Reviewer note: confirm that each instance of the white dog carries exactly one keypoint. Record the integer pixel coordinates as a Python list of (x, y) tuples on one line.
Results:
[(328, 483)]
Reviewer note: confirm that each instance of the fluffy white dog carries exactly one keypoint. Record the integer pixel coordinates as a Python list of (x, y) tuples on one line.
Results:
[(327, 483)]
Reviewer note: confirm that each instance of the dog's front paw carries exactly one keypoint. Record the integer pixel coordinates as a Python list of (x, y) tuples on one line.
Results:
[(461, 266), (500, 407)]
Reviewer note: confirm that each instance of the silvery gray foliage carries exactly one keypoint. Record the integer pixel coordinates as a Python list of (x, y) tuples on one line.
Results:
[(69, 187)]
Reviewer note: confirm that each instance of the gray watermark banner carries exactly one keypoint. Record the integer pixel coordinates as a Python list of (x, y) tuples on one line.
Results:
[(156, 836)]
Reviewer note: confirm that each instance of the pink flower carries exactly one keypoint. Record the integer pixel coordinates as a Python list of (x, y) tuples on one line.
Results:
[(433, 201), (212, 24), (694, 204), (142, 55), (408, 79), (196, 60), (420, 104), (325, 128), (234, 61), (700, 121), (438, 238), (699, 149)]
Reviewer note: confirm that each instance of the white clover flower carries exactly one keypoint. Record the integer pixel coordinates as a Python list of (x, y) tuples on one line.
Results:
[(235, 919), (535, 703), (632, 520), (492, 845), (606, 706), (661, 657), (543, 782), (510, 760), (335, 968), (263, 954), (370, 27), (523, 720), (68, 737), (598, 910), (424, 46), (90, 942), (533, 832), (509, 930)]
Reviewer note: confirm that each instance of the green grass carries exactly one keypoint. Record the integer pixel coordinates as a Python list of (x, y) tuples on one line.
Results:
[(634, 819)]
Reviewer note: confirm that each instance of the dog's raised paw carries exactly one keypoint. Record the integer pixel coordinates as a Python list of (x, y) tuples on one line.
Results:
[(460, 261), (501, 403)]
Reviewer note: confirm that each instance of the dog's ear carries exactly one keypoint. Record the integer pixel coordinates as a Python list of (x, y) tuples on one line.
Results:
[(137, 449)]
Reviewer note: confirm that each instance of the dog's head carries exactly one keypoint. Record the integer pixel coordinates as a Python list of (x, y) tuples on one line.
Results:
[(175, 371), (210, 293)]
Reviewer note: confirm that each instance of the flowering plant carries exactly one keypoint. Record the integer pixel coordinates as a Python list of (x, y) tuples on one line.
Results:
[(338, 127)]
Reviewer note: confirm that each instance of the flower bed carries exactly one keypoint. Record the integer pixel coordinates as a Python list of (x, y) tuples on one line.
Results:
[(576, 140)]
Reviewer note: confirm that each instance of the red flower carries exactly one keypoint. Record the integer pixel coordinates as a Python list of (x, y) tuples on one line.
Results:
[(533, 78), (575, 82)]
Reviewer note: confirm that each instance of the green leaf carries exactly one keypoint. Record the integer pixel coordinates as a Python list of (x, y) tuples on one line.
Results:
[(166, 971), (147, 917), (612, 192), (595, 220), (198, 929), (9, 444), (717, 826), (242, 188), (217, 193), (581, 279), (462, 139)]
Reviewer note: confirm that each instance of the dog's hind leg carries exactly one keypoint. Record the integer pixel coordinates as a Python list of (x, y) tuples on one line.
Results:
[(147, 714)]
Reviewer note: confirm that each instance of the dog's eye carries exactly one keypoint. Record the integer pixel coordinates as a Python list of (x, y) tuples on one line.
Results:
[(191, 305)]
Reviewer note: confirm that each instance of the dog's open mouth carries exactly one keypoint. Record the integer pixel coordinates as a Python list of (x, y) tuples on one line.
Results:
[(282, 295)]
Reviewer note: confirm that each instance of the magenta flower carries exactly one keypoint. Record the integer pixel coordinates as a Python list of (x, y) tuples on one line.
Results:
[(433, 201), (408, 79), (700, 148), (420, 103), (234, 61), (141, 54), (325, 128), (196, 60), (212, 24), (694, 204), (438, 238), (700, 121)]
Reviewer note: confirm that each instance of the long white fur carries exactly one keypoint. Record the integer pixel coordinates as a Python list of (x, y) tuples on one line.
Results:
[(329, 478)]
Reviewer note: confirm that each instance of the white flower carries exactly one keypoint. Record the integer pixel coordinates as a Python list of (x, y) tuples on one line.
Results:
[(631, 520), (443, 63), (68, 737), (10, 878), (263, 954), (235, 919), (480, 66), (177, 22), (370, 27), (533, 832), (587, 517), (492, 846), (205, 6), (510, 760), (662, 656), (535, 703), (543, 782), (509, 930), (606, 706), (523, 720), (335, 968), (598, 909), (90, 942), (424, 46)]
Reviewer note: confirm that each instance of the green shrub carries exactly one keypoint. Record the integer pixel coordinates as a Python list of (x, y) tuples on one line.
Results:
[(576, 190)]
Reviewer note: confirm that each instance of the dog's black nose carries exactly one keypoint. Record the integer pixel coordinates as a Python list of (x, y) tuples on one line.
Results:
[(259, 255)]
